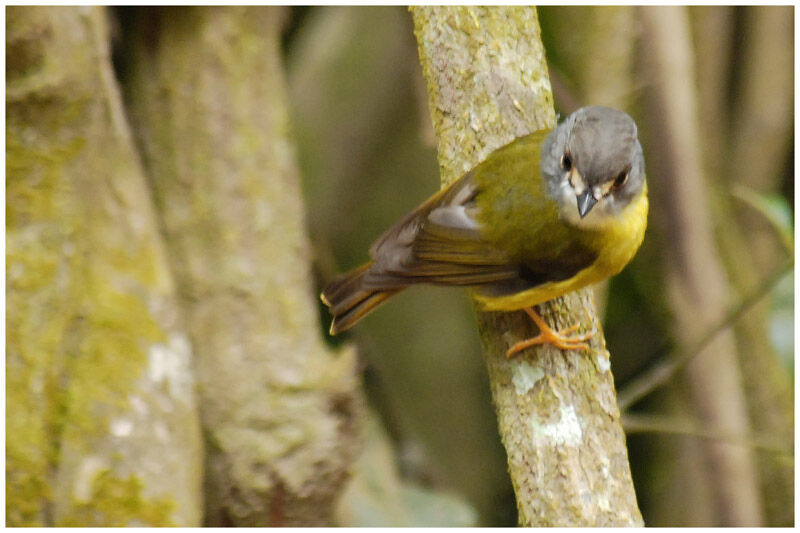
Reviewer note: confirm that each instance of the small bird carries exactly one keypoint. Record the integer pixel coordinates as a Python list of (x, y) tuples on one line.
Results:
[(547, 214)]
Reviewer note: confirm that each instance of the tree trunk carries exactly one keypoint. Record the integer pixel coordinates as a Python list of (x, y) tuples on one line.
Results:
[(208, 98), (593, 48), (487, 83), (751, 250), (696, 282), (102, 424), (762, 122)]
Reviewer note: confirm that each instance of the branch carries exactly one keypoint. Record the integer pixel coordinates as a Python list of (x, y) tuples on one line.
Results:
[(663, 371), (638, 423), (487, 84)]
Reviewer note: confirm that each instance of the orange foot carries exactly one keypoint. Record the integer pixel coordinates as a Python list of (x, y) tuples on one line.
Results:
[(547, 335)]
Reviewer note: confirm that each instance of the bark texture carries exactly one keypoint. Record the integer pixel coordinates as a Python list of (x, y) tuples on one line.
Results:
[(101, 420), (557, 413), (207, 95)]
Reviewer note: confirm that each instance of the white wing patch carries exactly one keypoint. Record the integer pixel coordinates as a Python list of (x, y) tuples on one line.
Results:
[(453, 216)]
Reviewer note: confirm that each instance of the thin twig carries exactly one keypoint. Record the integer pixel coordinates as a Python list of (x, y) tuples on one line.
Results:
[(663, 370), (638, 423)]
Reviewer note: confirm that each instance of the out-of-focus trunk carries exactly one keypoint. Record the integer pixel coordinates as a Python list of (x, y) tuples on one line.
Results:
[(279, 410), (487, 84), (102, 426), (696, 282)]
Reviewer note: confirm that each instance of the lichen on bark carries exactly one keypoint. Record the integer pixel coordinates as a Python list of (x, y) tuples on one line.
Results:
[(89, 295), (557, 413), (208, 100)]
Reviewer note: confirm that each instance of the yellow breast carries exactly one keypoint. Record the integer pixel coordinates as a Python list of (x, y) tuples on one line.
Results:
[(616, 244)]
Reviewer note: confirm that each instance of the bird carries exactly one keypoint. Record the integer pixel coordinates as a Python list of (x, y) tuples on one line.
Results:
[(549, 213)]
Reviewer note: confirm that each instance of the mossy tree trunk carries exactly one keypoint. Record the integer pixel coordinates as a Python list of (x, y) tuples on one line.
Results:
[(557, 413), (101, 418), (208, 101)]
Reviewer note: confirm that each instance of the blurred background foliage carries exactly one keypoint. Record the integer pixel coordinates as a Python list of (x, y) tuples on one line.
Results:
[(367, 156)]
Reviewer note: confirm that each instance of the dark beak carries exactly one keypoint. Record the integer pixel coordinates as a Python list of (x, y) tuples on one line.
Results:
[(586, 202)]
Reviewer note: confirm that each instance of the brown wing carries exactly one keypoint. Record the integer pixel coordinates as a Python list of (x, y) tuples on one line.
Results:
[(440, 242)]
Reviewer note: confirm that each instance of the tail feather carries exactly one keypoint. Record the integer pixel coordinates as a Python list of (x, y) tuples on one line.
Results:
[(349, 301)]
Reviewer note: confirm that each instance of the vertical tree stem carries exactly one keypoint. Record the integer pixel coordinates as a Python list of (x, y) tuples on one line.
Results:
[(208, 99), (102, 421), (696, 281), (557, 413)]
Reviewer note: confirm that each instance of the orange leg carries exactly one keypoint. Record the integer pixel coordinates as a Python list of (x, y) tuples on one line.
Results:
[(547, 335)]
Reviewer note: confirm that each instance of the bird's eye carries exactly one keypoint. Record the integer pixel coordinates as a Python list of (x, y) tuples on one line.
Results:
[(621, 179), (566, 162)]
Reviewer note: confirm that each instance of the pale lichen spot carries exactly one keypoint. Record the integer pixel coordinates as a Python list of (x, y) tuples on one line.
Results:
[(475, 124), (138, 404), (121, 427), (91, 465), (603, 504), (566, 431), (525, 375), (605, 467), (603, 361), (171, 363)]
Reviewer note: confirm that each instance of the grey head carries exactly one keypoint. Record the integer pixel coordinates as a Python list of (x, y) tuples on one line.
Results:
[(593, 165)]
